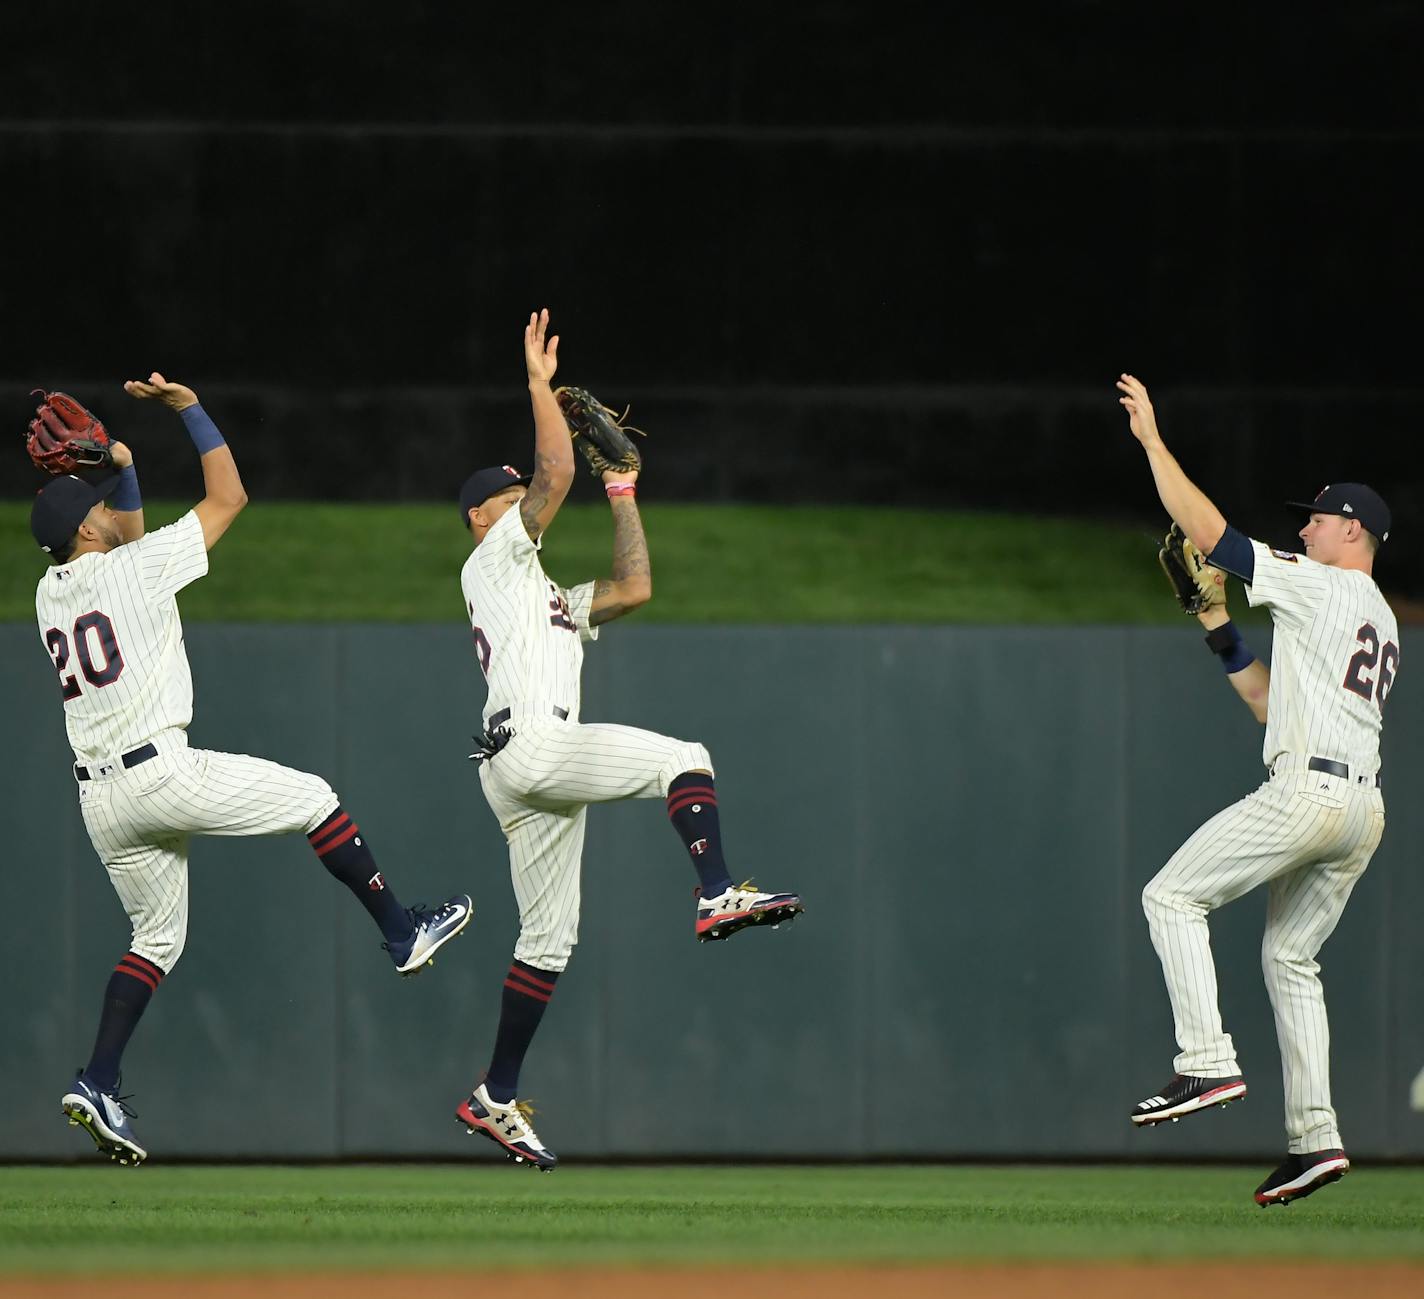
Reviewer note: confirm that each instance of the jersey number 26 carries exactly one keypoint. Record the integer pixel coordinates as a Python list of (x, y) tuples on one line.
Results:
[(1365, 659)]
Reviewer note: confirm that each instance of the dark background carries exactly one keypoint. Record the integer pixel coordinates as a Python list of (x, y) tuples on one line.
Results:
[(830, 251)]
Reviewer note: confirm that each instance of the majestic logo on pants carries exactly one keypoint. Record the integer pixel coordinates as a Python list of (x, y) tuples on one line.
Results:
[(697, 847), (376, 883)]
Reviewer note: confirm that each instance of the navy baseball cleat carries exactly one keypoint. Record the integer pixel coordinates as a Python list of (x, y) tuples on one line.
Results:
[(433, 929), (508, 1126), (1186, 1095), (740, 905), (1302, 1174), (105, 1117)]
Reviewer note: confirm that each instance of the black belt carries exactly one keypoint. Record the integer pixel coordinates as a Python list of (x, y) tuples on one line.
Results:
[(1332, 768), (131, 759), (499, 718)]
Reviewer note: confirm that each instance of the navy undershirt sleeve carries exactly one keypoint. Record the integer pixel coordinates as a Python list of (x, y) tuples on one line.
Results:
[(1235, 554)]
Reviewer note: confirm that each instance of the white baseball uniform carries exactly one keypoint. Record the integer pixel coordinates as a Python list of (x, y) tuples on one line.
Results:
[(529, 637), (1308, 833), (110, 624)]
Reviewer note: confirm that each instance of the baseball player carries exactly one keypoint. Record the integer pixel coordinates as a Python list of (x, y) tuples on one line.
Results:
[(108, 618), (1309, 831), (539, 765)]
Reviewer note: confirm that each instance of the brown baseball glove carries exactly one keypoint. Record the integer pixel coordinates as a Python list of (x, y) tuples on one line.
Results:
[(65, 436), (600, 435)]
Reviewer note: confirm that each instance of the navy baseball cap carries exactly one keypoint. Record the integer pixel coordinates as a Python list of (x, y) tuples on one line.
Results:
[(484, 483), (62, 505), (1351, 501)]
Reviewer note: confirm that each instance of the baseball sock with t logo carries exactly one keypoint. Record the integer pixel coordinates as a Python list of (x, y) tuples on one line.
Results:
[(692, 809), (343, 850)]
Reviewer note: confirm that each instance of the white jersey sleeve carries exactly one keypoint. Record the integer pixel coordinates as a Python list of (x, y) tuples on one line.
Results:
[(1292, 586), (170, 558), (579, 600)]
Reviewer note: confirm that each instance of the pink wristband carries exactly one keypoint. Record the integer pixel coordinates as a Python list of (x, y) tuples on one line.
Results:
[(620, 489)]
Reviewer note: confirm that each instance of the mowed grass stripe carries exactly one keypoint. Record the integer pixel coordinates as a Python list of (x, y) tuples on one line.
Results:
[(309, 562), (90, 1218)]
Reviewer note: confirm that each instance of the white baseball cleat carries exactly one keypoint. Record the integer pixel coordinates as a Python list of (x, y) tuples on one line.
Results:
[(740, 905), (508, 1126)]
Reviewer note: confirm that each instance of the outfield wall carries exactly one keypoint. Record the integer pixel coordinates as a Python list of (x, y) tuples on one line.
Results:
[(970, 813)]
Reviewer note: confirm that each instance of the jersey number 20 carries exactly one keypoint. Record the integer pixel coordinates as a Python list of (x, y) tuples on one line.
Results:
[(1364, 660), (86, 628)]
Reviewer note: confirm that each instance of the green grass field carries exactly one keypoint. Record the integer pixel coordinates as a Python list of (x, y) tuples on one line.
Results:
[(158, 1219), (295, 562)]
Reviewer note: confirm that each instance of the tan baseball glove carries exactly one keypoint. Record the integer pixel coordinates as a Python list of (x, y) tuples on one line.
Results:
[(1195, 583)]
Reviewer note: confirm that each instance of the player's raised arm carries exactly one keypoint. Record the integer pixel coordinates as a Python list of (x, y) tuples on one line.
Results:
[(225, 495), (632, 582), (126, 502), (1183, 499), (553, 448)]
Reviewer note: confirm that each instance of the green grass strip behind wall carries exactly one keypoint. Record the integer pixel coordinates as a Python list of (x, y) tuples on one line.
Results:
[(312, 562)]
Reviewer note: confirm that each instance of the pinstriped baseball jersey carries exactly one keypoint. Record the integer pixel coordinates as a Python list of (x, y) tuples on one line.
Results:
[(110, 624), (528, 631), (1333, 661)]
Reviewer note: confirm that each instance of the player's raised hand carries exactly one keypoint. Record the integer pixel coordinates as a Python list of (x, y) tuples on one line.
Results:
[(1138, 404), (540, 357), (173, 395), (120, 455)]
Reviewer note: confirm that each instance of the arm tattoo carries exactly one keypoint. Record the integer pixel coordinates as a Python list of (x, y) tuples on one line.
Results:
[(630, 560), (536, 497)]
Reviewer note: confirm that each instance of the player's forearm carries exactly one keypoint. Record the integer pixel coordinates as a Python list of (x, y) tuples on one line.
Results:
[(1253, 684), (631, 564), (553, 447), (1249, 677), (632, 582), (127, 505), (1184, 500), (222, 484)]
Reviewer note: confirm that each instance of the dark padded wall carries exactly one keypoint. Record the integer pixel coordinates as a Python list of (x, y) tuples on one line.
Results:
[(970, 813)]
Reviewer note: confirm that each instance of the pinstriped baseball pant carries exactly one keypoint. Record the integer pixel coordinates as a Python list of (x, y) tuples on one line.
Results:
[(1308, 836), (539, 786), (140, 821)]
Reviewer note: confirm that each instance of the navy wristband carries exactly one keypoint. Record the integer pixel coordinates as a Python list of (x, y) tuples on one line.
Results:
[(125, 496), (201, 429), (1226, 643)]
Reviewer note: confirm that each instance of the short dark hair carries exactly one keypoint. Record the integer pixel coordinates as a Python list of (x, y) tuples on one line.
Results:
[(59, 554)]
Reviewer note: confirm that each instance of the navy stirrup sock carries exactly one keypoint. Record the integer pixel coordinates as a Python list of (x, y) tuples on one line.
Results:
[(527, 990), (131, 985), (344, 852), (692, 809)]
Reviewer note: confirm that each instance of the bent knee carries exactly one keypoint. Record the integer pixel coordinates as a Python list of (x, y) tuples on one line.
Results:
[(687, 756), (1161, 898), (321, 801), (162, 949), (544, 952)]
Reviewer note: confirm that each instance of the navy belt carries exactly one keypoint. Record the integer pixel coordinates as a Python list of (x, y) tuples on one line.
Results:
[(1332, 768), (131, 759), (499, 718)]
